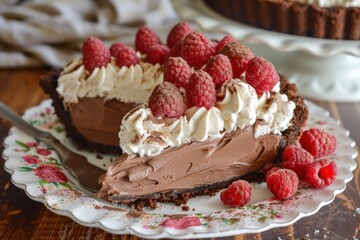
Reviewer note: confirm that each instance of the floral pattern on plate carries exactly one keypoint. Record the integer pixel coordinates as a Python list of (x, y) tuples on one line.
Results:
[(36, 169), (40, 161)]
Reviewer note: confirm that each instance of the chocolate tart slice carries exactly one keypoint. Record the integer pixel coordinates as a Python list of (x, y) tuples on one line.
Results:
[(199, 168)]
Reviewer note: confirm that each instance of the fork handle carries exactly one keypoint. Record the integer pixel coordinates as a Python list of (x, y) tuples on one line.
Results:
[(11, 116)]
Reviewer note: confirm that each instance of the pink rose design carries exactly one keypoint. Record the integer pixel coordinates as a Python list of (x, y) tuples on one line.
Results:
[(181, 223), (47, 110), (50, 173), (31, 144), (43, 151), (31, 159), (43, 190)]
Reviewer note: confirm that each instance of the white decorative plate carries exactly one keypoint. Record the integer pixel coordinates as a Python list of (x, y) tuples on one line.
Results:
[(323, 69), (36, 169)]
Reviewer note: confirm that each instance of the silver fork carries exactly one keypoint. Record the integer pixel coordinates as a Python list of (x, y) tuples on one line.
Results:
[(70, 160)]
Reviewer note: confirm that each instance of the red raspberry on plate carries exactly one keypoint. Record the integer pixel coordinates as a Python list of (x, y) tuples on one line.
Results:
[(177, 71), (201, 90), (116, 48), (95, 54), (237, 194), (197, 49), (145, 38), (283, 183), (157, 54), (261, 75), (166, 100), (219, 68), (127, 57), (239, 56), (318, 142), (321, 173), (177, 33), (297, 159), (223, 42)]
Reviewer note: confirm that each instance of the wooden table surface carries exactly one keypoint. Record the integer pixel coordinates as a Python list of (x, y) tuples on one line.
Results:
[(23, 218)]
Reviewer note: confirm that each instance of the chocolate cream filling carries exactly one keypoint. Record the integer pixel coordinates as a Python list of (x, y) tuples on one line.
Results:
[(189, 166), (99, 120)]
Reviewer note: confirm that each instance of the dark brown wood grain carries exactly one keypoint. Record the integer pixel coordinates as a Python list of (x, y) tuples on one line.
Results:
[(23, 218)]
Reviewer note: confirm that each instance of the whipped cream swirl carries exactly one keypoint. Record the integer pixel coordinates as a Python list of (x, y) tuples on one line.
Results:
[(275, 112), (238, 106), (126, 84), (143, 134), (204, 124)]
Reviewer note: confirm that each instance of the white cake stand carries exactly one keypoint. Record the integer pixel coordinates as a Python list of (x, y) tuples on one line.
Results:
[(323, 69)]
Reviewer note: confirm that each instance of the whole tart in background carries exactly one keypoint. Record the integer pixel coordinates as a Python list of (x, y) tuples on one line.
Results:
[(332, 19)]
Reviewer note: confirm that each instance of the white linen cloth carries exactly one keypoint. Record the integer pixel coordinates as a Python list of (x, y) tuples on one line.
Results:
[(45, 32)]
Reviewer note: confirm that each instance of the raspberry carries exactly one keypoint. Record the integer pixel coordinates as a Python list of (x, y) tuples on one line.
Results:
[(201, 90), (261, 75), (239, 56), (166, 100), (177, 71), (297, 159), (177, 33), (197, 49), (237, 194), (127, 57), (223, 42), (157, 54), (321, 173), (273, 169), (174, 51), (145, 38), (116, 48), (283, 183), (219, 68), (318, 142), (95, 54)]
